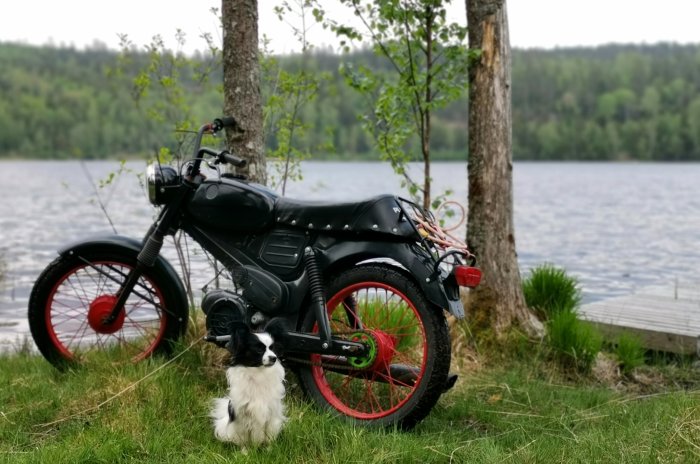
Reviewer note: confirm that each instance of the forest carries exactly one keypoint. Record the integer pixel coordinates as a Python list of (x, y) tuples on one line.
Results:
[(615, 102)]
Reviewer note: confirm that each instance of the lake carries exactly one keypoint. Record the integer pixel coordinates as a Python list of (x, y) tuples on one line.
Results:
[(616, 227)]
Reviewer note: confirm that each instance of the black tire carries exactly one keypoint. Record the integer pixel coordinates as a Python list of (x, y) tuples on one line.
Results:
[(74, 293), (380, 299)]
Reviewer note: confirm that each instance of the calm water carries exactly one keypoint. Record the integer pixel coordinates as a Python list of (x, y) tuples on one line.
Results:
[(616, 227)]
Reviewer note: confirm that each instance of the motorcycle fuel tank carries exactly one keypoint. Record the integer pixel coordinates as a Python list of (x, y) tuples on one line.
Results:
[(232, 205)]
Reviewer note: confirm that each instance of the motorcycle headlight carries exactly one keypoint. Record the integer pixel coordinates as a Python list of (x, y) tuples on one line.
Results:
[(162, 182)]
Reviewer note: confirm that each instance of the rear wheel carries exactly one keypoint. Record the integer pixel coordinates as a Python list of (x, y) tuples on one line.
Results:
[(404, 374), (76, 292)]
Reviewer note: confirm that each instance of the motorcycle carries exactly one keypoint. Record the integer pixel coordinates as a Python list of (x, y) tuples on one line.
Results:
[(362, 288)]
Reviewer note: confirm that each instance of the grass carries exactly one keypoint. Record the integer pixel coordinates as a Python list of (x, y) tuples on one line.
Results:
[(509, 408), (629, 352), (555, 296), (549, 290), (574, 343)]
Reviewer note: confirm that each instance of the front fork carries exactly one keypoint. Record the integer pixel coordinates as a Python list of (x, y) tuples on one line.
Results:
[(146, 259), (152, 244)]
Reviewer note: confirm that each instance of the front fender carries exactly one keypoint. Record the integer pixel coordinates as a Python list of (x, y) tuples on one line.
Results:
[(334, 254), (133, 246)]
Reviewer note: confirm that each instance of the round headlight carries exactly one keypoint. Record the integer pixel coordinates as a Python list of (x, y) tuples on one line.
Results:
[(161, 181)]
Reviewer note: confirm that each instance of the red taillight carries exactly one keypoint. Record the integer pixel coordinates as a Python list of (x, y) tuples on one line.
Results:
[(467, 276)]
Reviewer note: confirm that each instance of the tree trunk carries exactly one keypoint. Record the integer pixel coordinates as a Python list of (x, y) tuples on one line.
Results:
[(242, 98), (498, 302)]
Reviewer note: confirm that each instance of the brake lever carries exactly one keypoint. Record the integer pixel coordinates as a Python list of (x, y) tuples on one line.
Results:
[(214, 166)]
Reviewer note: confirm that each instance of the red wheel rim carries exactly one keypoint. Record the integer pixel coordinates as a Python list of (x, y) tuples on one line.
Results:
[(81, 299), (397, 327)]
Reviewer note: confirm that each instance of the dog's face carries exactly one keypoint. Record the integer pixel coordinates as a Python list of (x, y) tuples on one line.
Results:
[(252, 349)]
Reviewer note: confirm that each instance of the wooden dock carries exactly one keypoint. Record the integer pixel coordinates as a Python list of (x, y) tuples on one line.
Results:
[(665, 319)]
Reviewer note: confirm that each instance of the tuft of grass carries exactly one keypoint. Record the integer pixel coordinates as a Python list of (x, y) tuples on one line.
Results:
[(575, 343), (629, 352), (549, 290), (554, 296)]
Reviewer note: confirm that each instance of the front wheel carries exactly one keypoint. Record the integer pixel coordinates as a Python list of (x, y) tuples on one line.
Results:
[(402, 378), (74, 294)]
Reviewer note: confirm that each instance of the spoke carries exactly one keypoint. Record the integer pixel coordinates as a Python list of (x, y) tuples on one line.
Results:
[(69, 308), (61, 303), (100, 284), (95, 278), (392, 380), (345, 382), (126, 343), (369, 393), (400, 336), (76, 292), (83, 327), (106, 274), (100, 341), (77, 317), (391, 389), (139, 329)]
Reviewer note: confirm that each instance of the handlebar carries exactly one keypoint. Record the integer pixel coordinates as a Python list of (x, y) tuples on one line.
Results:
[(226, 157), (222, 157), (225, 122)]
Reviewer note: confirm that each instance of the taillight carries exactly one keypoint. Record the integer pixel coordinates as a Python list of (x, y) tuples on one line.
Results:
[(467, 276)]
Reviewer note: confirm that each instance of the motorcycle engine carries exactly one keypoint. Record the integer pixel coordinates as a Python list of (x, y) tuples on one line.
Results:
[(221, 308)]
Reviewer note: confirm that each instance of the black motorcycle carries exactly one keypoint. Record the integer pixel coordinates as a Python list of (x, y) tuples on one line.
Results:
[(362, 288)]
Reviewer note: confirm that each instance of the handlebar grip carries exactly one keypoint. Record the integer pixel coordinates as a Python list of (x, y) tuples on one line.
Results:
[(234, 160)]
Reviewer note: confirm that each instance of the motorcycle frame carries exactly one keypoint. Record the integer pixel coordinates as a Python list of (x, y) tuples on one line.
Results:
[(332, 251)]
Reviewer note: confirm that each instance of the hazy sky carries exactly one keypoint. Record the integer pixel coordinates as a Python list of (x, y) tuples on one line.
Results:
[(533, 23)]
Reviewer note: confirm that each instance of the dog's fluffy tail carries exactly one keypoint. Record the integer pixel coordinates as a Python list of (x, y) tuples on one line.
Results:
[(222, 418)]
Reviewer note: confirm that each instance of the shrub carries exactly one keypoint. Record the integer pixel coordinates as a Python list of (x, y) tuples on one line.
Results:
[(575, 343), (629, 351), (549, 290)]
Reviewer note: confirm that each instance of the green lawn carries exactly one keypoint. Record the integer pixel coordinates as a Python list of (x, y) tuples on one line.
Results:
[(503, 410)]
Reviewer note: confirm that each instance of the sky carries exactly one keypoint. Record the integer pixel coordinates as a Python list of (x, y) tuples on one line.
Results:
[(532, 23)]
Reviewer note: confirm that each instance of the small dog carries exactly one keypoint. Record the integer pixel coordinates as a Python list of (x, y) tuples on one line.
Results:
[(253, 412)]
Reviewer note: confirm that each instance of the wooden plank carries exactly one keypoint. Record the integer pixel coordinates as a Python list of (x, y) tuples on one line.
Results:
[(665, 319), (681, 326), (653, 340), (651, 322)]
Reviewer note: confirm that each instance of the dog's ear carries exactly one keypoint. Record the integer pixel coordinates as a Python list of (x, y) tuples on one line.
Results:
[(239, 335), (277, 328)]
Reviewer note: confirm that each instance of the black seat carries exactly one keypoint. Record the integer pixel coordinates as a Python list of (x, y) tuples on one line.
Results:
[(377, 214)]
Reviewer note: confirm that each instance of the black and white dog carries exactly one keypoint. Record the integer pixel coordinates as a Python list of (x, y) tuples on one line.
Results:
[(252, 413)]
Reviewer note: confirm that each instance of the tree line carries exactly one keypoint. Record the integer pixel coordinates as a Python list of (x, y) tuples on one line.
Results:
[(606, 103)]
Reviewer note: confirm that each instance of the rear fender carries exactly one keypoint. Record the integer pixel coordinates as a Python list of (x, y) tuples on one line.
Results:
[(130, 245), (338, 254)]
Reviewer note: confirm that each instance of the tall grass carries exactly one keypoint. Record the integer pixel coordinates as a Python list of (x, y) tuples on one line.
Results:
[(157, 412), (549, 290), (554, 296), (574, 343), (629, 352)]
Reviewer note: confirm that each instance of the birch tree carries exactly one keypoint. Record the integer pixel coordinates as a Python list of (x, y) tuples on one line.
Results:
[(242, 98), (498, 301)]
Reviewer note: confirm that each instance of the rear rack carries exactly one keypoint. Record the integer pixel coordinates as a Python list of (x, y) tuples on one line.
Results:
[(439, 243)]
